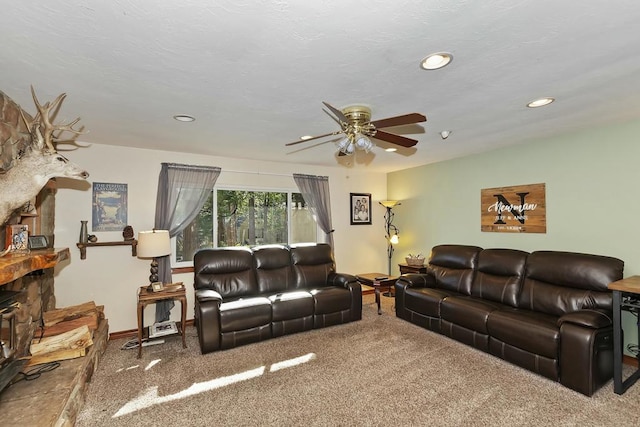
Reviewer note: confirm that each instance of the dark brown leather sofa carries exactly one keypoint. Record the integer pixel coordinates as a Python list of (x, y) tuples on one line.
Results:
[(547, 311), (246, 295)]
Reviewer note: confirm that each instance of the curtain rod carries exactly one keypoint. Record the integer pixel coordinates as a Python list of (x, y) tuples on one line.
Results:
[(290, 175)]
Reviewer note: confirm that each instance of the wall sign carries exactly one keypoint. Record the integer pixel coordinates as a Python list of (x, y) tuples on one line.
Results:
[(109, 206), (517, 209)]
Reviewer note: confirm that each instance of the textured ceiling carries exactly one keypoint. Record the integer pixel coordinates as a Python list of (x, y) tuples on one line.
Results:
[(255, 73)]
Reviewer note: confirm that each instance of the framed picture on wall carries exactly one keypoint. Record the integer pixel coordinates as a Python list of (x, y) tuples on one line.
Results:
[(360, 208)]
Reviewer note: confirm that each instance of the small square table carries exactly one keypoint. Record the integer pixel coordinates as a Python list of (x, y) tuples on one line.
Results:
[(377, 281), (146, 297)]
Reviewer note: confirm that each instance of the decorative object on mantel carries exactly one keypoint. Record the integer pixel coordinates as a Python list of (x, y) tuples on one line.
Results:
[(153, 244), (391, 230), (92, 238), (415, 260), (127, 233), (40, 162), (84, 233), (17, 238)]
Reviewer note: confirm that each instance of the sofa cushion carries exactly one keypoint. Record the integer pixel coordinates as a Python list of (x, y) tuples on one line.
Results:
[(453, 267), (312, 265), (331, 299), (557, 283), (537, 333), (273, 268), (499, 275), (469, 312), (228, 271), (291, 305), (425, 301), (244, 313)]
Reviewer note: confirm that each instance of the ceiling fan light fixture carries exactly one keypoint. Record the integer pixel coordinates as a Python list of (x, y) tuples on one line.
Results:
[(390, 149), (541, 102), (436, 61)]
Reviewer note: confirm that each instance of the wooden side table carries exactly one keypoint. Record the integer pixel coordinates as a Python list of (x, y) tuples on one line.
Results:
[(377, 280), (406, 268), (146, 297), (626, 296)]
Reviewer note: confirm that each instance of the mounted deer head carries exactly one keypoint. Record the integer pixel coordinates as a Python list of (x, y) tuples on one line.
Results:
[(42, 130), (39, 163)]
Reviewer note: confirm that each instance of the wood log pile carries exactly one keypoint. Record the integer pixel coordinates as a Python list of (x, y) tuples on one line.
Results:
[(67, 333)]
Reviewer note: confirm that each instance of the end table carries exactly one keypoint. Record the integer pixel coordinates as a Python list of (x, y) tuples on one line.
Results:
[(146, 297), (377, 280)]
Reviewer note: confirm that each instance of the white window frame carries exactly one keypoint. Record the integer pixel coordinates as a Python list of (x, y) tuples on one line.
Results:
[(289, 191)]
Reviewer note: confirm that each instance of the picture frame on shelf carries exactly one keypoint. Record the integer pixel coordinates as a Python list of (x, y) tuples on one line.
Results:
[(38, 242), (360, 204), (17, 238)]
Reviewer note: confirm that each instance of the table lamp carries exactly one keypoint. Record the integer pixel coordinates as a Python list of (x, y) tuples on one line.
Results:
[(153, 244)]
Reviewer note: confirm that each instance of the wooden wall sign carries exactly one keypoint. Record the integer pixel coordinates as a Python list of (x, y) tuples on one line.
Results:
[(517, 209)]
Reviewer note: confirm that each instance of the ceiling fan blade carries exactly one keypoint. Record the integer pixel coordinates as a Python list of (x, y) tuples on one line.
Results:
[(315, 137), (335, 119), (339, 114), (395, 139), (405, 119)]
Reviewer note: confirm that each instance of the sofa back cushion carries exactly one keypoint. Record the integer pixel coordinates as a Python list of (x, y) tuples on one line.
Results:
[(273, 268), (453, 266), (499, 275), (312, 264), (562, 282), (228, 271)]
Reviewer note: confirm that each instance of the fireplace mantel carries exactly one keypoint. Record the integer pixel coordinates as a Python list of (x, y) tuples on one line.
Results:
[(15, 265)]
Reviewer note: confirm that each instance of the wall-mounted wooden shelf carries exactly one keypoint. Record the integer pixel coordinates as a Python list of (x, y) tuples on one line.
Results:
[(83, 246)]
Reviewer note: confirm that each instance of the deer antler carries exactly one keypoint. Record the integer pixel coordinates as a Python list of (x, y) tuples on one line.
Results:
[(42, 129)]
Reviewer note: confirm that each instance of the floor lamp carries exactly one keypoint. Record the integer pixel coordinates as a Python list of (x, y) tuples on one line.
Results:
[(391, 230)]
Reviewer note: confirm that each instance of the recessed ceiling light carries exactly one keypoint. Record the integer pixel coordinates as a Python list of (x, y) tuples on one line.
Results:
[(184, 118), (436, 60), (540, 102), (391, 149)]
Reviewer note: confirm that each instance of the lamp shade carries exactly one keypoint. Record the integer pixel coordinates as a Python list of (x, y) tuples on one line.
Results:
[(389, 203), (153, 244)]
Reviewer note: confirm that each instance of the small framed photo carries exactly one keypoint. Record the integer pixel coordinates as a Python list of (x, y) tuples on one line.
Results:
[(38, 242), (360, 208), (17, 238), (157, 286)]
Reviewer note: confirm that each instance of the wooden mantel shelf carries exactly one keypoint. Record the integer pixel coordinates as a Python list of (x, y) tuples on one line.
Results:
[(14, 265), (83, 246)]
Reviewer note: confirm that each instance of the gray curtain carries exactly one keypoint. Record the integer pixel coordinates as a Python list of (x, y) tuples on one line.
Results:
[(315, 191), (182, 191)]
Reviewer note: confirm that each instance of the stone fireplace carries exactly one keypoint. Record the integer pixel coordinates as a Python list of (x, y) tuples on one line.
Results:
[(28, 277)]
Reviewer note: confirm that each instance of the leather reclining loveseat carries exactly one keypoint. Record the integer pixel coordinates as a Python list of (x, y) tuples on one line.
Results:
[(547, 311), (246, 295)]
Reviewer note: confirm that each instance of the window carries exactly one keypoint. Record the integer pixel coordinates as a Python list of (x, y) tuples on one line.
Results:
[(233, 217)]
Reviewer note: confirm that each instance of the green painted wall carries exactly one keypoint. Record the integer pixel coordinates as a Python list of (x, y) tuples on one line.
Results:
[(592, 194)]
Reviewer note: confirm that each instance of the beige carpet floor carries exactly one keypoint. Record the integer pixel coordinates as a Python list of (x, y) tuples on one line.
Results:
[(380, 371)]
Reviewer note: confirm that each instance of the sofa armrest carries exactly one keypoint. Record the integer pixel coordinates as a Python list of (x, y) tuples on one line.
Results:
[(589, 318), (351, 283), (415, 280), (586, 350), (208, 295), (341, 279), (410, 280), (207, 319)]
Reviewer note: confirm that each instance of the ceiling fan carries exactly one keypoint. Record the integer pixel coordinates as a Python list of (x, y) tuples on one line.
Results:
[(355, 123)]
